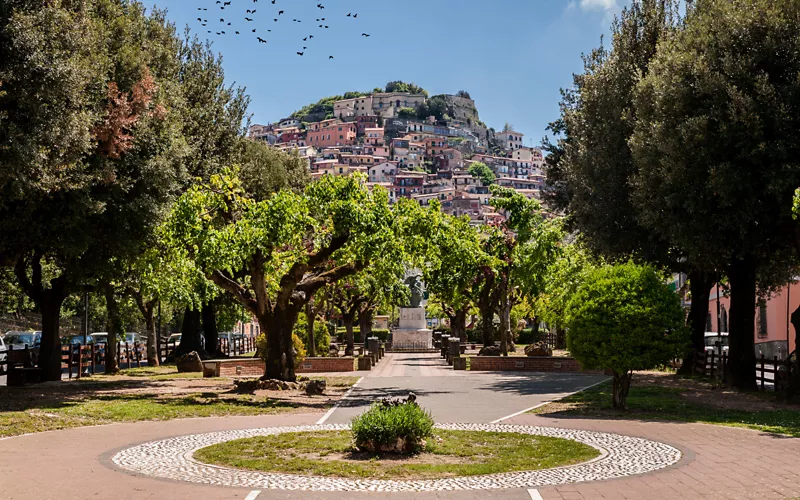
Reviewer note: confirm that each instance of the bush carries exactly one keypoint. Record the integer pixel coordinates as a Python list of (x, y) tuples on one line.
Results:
[(381, 333), (624, 318), (526, 336), (322, 336), (399, 427), (297, 343)]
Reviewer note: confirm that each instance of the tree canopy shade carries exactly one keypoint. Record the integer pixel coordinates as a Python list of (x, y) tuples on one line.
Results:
[(718, 148), (272, 255), (483, 172), (623, 318)]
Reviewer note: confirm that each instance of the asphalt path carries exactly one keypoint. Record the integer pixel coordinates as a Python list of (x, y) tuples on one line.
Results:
[(457, 396)]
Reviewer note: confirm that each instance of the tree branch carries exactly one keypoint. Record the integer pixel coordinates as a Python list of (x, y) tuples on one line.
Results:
[(239, 292)]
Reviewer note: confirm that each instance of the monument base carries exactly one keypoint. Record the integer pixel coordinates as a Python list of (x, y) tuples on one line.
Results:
[(412, 339)]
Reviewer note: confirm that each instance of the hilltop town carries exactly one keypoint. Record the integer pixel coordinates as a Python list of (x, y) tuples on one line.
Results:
[(415, 146)]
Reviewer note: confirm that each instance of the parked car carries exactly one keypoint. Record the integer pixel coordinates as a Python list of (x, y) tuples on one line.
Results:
[(21, 340), (711, 339), (3, 355), (174, 338)]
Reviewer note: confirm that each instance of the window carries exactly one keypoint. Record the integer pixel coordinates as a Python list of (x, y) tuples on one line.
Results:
[(762, 319), (723, 320)]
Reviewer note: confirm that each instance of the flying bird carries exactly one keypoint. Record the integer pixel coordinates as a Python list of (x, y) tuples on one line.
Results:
[(330, 57), (364, 34), (300, 53)]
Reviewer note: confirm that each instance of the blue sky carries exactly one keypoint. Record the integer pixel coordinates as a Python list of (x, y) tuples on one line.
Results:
[(512, 56)]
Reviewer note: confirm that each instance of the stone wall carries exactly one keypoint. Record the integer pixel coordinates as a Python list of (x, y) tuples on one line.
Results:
[(524, 364)]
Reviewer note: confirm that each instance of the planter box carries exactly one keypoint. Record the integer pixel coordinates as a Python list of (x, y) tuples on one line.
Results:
[(526, 364)]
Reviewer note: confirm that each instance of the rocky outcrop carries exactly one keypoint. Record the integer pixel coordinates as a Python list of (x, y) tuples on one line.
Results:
[(538, 349), (189, 362)]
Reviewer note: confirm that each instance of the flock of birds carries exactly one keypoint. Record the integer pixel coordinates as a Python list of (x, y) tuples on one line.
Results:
[(249, 17)]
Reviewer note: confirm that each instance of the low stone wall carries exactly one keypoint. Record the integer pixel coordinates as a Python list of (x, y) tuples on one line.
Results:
[(323, 365), (254, 367), (524, 364)]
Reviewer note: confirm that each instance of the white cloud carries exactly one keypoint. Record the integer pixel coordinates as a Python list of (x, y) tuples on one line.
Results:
[(605, 5)]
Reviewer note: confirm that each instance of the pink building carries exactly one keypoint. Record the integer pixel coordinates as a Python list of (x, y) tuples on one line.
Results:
[(374, 136), (773, 330), (330, 133)]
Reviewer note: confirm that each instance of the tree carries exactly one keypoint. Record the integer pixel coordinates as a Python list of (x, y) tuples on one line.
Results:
[(483, 172), (717, 148), (464, 94), (92, 158), (272, 255), (524, 246), (400, 86), (407, 113), (591, 168), (451, 271), (623, 318)]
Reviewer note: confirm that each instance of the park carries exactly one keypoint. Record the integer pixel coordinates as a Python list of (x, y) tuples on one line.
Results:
[(379, 296)]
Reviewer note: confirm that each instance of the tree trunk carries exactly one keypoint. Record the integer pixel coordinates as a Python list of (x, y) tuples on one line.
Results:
[(535, 329), (486, 307), (347, 319), (113, 327), (700, 284), (365, 324), (152, 342), (50, 346), (741, 356), (278, 326), (190, 334), (561, 338), (310, 318), (458, 324), (795, 320), (210, 333), (505, 319), (621, 387)]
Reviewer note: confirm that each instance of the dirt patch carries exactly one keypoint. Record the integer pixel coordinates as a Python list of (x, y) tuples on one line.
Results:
[(394, 458)]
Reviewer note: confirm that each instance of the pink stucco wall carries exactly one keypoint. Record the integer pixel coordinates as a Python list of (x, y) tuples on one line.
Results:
[(777, 318)]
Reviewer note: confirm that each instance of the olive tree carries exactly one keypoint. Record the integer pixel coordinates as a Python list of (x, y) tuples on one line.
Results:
[(623, 318)]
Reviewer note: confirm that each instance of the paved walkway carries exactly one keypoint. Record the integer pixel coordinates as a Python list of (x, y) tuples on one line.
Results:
[(457, 396), (718, 462)]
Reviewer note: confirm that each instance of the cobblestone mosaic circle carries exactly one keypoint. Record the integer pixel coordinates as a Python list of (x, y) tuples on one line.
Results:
[(619, 456)]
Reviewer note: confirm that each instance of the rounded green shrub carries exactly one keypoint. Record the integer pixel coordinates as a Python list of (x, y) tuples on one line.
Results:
[(392, 426), (624, 318)]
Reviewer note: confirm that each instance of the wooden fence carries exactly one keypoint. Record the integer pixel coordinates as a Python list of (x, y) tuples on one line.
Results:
[(78, 360), (772, 371)]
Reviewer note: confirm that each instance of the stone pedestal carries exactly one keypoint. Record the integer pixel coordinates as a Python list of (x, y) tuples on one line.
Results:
[(413, 332)]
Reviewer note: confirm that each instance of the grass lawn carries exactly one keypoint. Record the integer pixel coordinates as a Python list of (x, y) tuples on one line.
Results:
[(448, 454), (681, 400), (137, 394)]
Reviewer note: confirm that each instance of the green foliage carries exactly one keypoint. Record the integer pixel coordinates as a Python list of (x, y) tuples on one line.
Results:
[(590, 168), (299, 347), (435, 106), (383, 425), (323, 109), (624, 317), (407, 113), (400, 86), (526, 336), (481, 171), (562, 279), (322, 337), (464, 94)]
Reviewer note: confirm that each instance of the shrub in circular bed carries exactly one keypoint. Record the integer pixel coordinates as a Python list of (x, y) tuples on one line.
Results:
[(392, 426)]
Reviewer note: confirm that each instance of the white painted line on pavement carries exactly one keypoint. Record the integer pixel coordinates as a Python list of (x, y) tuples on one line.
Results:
[(562, 396), (535, 495), (254, 494), (346, 395)]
